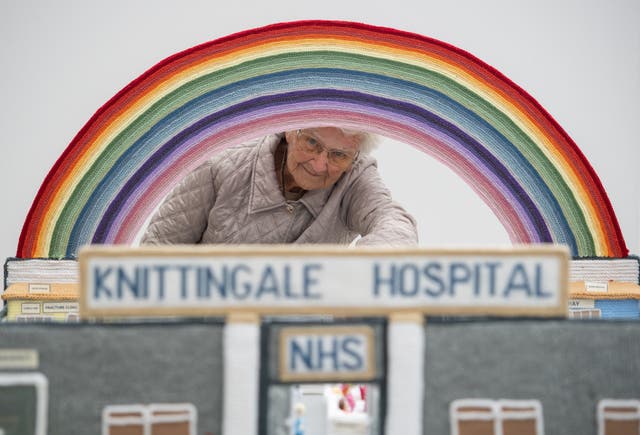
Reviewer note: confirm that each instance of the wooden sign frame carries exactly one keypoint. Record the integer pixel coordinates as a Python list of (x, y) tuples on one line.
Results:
[(334, 272), (369, 374)]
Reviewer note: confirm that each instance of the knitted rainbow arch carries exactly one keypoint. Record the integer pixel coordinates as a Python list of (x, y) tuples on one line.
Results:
[(418, 90)]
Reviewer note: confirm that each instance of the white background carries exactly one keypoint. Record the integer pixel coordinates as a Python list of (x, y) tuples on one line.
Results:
[(61, 60)]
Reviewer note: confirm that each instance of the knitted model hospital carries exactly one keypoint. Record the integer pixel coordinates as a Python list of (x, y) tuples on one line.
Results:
[(412, 88)]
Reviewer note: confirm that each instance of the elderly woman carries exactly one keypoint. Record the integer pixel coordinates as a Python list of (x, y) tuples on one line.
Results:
[(316, 185)]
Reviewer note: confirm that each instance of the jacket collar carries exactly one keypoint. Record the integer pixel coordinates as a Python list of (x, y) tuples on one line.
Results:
[(265, 191)]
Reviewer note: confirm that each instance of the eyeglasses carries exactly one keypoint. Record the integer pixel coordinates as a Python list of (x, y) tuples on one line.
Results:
[(335, 156)]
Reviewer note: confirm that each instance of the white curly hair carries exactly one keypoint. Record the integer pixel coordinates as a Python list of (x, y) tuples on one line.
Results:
[(367, 141)]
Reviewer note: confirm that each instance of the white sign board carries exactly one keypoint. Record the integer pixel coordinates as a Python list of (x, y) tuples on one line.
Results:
[(217, 280), (327, 353)]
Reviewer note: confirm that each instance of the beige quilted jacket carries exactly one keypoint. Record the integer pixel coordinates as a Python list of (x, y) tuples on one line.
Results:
[(235, 198)]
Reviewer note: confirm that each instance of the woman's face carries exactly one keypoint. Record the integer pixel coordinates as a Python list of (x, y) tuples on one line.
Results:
[(317, 157)]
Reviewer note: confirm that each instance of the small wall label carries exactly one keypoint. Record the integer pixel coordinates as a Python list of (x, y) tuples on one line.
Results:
[(19, 359)]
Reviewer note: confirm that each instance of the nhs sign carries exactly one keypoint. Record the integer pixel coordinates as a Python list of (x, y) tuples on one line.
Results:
[(327, 353)]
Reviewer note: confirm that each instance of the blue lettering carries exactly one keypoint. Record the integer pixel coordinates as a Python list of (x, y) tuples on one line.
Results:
[(413, 280), (161, 270), (268, 284), (288, 290), (202, 289), (124, 282), (308, 280), (216, 281), (539, 292), (183, 280), (331, 353), (305, 355), (353, 353), (518, 280), (459, 273), (246, 286), (477, 281), (378, 280), (492, 277), (98, 282), (145, 283), (287, 284), (432, 272)]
